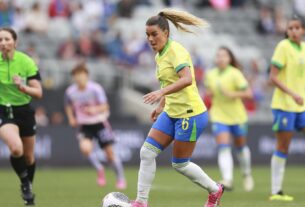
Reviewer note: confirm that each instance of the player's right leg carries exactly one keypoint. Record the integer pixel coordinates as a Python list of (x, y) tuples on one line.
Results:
[(225, 159), (9, 133), (86, 146), (117, 166), (159, 137), (284, 123)]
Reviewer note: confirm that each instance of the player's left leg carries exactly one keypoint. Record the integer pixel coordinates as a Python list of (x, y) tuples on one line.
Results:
[(28, 149), (117, 166), (284, 125), (243, 154), (187, 132), (244, 159)]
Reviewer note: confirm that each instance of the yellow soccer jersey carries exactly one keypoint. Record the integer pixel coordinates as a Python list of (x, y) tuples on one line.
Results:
[(226, 110), (289, 58), (186, 102)]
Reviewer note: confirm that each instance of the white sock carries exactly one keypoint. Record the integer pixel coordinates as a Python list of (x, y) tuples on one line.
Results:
[(244, 158), (278, 162), (147, 171), (93, 158), (118, 168), (225, 163), (196, 175)]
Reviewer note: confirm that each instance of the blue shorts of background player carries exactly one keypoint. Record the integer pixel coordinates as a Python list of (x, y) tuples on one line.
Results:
[(237, 130), (182, 129), (288, 121)]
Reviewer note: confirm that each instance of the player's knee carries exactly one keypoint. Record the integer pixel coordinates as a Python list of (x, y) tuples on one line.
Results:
[(283, 147), (110, 157), (86, 152), (147, 154), (179, 164), (86, 148), (16, 150)]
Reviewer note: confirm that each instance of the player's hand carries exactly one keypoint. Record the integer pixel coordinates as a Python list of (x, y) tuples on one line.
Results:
[(154, 115), (298, 99), (73, 123), (153, 97), (18, 81)]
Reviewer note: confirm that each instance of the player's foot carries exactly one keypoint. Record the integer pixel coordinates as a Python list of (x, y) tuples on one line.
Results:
[(27, 194), (121, 184), (101, 180), (248, 183), (280, 196), (227, 184), (138, 204), (214, 198)]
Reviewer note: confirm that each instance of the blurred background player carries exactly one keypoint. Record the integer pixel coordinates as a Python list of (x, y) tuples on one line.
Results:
[(288, 75), (19, 82), (181, 115), (87, 109), (227, 86)]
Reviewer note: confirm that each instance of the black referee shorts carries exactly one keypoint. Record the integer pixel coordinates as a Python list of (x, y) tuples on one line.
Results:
[(22, 116)]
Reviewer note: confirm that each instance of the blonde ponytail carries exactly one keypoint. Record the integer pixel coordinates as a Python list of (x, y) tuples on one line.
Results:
[(181, 18)]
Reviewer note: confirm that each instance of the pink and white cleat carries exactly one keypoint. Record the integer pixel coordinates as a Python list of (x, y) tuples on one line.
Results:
[(101, 180), (138, 204), (121, 184), (214, 198)]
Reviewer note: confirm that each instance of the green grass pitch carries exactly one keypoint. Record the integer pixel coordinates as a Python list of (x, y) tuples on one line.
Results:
[(77, 188)]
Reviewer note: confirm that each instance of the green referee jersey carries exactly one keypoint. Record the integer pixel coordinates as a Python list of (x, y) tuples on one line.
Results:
[(21, 65)]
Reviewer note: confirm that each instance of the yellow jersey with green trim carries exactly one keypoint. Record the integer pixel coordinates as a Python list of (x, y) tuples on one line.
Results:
[(289, 58), (186, 102), (226, 110)]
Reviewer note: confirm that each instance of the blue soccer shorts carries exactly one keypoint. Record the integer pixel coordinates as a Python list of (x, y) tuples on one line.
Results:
[(182, 129)]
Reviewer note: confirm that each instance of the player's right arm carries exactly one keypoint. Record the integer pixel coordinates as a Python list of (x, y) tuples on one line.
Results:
[(278, 63), (70, 115), (157, 111), (69, 111)]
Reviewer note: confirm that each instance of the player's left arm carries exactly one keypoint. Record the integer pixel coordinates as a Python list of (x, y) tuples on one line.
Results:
[(101, 108), (185, 80), (32, 85), (32, 88)]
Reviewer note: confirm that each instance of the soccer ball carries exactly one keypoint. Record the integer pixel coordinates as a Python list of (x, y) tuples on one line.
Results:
[(116, 199)]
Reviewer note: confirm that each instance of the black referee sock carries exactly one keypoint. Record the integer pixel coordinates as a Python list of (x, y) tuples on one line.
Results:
[(19, 165), (31, 171)]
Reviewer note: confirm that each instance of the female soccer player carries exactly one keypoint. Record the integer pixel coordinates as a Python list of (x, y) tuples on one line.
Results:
[(227, 86), (288, 75), (87, 109), (181, 115), (19, 82)]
